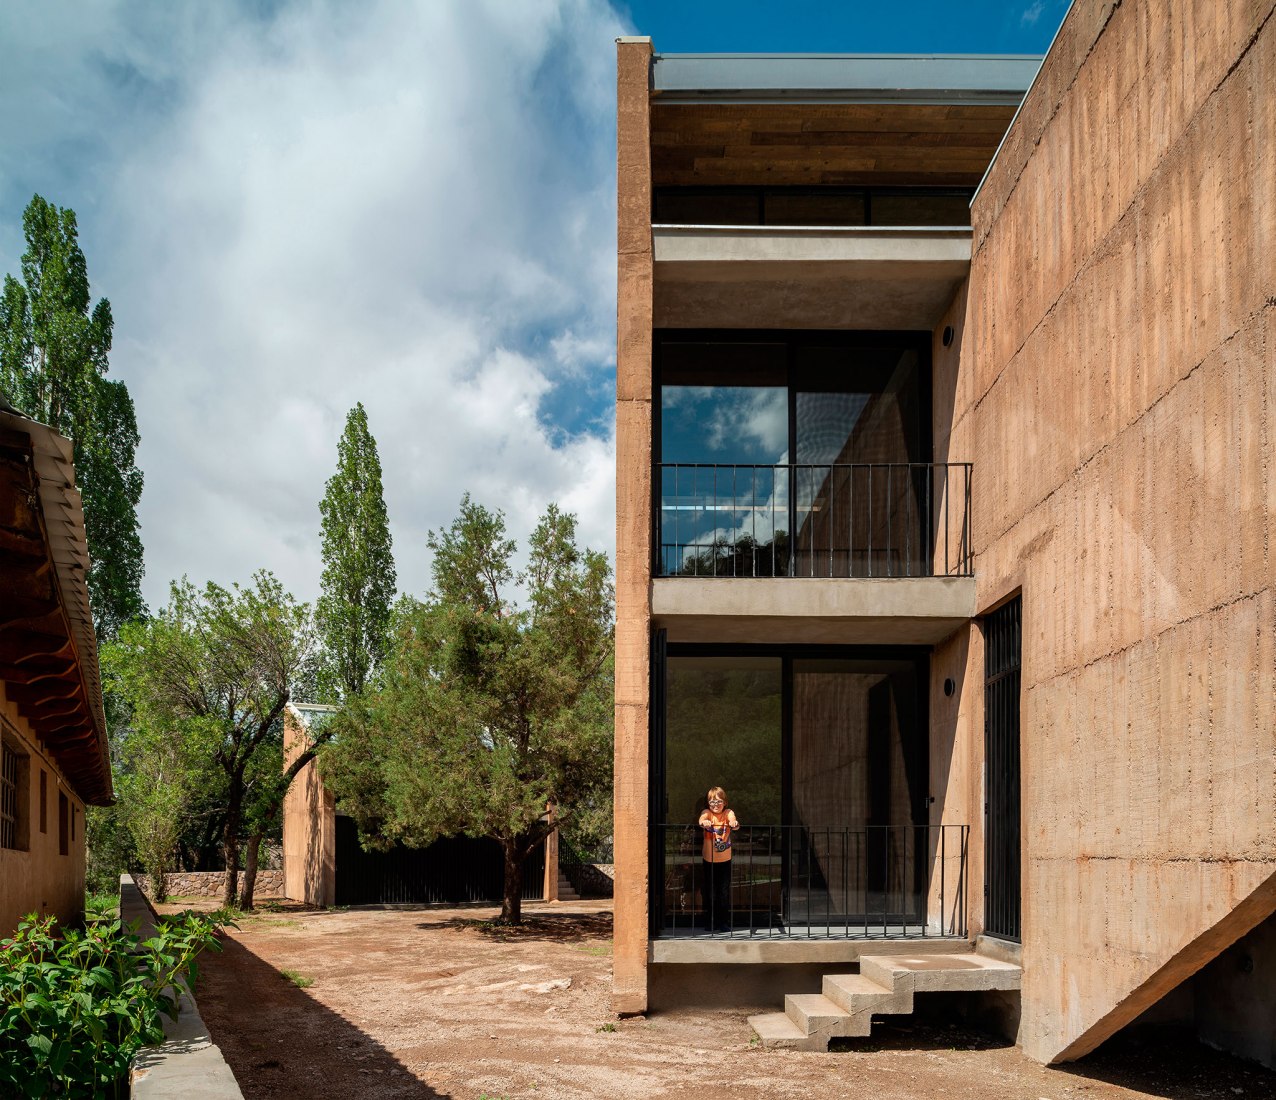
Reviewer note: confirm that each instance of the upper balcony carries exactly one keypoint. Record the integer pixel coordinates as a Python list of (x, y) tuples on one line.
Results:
[(793, 496)]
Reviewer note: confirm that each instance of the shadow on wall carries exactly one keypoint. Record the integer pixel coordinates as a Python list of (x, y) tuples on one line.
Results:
[(283, 1044)]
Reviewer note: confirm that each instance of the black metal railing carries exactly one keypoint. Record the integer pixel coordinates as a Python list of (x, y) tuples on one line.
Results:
[(864, 519), (874, 882)]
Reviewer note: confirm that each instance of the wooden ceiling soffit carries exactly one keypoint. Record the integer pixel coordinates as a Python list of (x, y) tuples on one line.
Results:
[(848, 144)]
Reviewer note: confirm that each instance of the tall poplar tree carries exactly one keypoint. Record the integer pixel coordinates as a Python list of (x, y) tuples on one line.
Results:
[(53, 361), (358, 581)]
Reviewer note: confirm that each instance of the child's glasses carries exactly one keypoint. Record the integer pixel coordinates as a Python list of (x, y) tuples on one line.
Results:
[(715, 802)]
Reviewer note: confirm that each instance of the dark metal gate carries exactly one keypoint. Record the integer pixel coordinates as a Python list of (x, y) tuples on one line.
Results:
[(456, 869), (1002, 634)]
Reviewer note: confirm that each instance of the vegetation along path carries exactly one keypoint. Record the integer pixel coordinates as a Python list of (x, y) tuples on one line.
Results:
[(440, 1003)]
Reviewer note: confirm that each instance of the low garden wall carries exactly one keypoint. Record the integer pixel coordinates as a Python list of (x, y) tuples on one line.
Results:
[(210, 884), (188, 1065)]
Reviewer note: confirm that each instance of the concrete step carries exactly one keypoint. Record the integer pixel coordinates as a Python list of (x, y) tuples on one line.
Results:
[(815, 1013), (884, 986), (861, 995), (923, 973), (777, 1032)]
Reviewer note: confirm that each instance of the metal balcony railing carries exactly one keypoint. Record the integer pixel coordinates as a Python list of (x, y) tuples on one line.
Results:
[(864, 519), (799, 881)]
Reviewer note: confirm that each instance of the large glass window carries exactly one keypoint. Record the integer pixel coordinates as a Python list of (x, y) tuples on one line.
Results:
[(723, 729), (793, 453)]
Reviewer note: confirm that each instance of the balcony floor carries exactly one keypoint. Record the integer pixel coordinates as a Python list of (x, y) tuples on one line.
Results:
[(791, 610)]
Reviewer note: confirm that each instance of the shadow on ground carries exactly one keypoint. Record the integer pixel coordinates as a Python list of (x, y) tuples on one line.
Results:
[(552, 927), (1171, 1062), (917, 1035), (325, 1055)]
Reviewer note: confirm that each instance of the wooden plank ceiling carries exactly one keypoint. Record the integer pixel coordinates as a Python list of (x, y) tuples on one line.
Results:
[(38, 661), (851, 144)]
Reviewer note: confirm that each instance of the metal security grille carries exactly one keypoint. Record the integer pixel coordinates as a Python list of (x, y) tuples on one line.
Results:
[(1002, 644), (8, 797), (455, 870)]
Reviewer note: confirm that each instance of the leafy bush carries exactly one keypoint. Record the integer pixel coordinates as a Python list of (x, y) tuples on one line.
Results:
[(76, 1006)]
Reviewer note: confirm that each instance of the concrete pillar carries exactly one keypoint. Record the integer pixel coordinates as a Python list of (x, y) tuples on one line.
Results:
[(633, 519)]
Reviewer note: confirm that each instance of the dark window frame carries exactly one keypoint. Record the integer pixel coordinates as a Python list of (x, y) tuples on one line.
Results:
[(64, 815), (15, 791)]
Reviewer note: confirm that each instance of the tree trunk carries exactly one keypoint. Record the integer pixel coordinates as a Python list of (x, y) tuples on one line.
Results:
[(250, 871), (230, 846), (512, 902)]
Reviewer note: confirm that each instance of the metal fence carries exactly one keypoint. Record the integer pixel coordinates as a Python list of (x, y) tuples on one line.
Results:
[(870, 519), (875, 882)]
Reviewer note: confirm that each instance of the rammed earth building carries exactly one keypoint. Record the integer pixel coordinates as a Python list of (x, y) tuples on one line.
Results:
[(945, 507)]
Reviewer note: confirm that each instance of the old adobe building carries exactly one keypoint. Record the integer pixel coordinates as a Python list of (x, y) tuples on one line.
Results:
[(53, 754), (945, 511)]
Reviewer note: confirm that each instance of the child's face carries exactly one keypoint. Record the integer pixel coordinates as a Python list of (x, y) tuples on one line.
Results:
[(716, 805)]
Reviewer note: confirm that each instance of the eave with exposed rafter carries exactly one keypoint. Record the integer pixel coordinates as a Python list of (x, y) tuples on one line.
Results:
[(48, 651)]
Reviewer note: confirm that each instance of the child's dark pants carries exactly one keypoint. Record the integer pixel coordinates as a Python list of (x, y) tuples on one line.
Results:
[(716, 889)]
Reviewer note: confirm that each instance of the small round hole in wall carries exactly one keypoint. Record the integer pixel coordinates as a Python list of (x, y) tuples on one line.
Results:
[(949, 687), (1245, 964), (948, 336)]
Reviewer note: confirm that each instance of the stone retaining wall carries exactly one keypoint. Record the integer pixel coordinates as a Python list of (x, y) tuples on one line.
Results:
[(210, 884)]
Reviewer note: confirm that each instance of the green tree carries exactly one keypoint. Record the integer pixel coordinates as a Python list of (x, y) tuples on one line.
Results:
[(358, 580), (54, 345), (488, 711), (209, 677)]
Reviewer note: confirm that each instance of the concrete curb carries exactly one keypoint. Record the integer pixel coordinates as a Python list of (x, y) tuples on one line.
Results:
[(188, 1064)]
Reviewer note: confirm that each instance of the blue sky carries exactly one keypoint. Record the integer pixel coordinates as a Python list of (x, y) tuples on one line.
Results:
[(849, 26), (295, 205)]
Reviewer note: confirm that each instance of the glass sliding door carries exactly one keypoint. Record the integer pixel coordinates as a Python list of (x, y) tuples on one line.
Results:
[(823, 753), (858, 792), (859, 445), (723, 728), (723, 442)]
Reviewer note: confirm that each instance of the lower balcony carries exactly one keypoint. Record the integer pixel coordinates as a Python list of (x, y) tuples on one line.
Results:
[(813, 554), (793, 881)]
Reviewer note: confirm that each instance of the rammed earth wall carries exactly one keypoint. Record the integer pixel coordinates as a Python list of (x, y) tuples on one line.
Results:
[(1115, 387)]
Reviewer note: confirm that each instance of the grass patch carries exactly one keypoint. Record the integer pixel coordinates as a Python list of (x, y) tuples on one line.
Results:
[(598, 950), (298, 978), (608, 1027)]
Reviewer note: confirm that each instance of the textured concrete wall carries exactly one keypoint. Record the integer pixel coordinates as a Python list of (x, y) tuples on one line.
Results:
[(1116, 389), (36, 878), (310, 827), (633, 521)]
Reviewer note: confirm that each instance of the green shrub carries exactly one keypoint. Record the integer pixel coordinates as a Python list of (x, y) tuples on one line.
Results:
[(76, 1006)]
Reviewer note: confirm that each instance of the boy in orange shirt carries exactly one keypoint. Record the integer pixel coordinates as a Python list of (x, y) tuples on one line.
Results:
[(718, 823)]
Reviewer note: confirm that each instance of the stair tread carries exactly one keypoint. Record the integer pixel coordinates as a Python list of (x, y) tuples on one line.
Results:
[(858, 985), (775, 1025), (953, 962), (815, 1004)]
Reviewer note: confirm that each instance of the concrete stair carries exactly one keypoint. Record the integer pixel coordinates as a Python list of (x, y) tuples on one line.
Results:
[(566, 891), (884, 987)]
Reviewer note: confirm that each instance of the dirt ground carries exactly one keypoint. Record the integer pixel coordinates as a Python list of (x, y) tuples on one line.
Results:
[(440, 1003)]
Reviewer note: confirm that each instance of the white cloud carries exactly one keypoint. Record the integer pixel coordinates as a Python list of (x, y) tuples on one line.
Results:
[(408, 205), (1032, 14)]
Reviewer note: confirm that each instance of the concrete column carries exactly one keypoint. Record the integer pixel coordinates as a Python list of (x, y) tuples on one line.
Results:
[(633, 519)]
